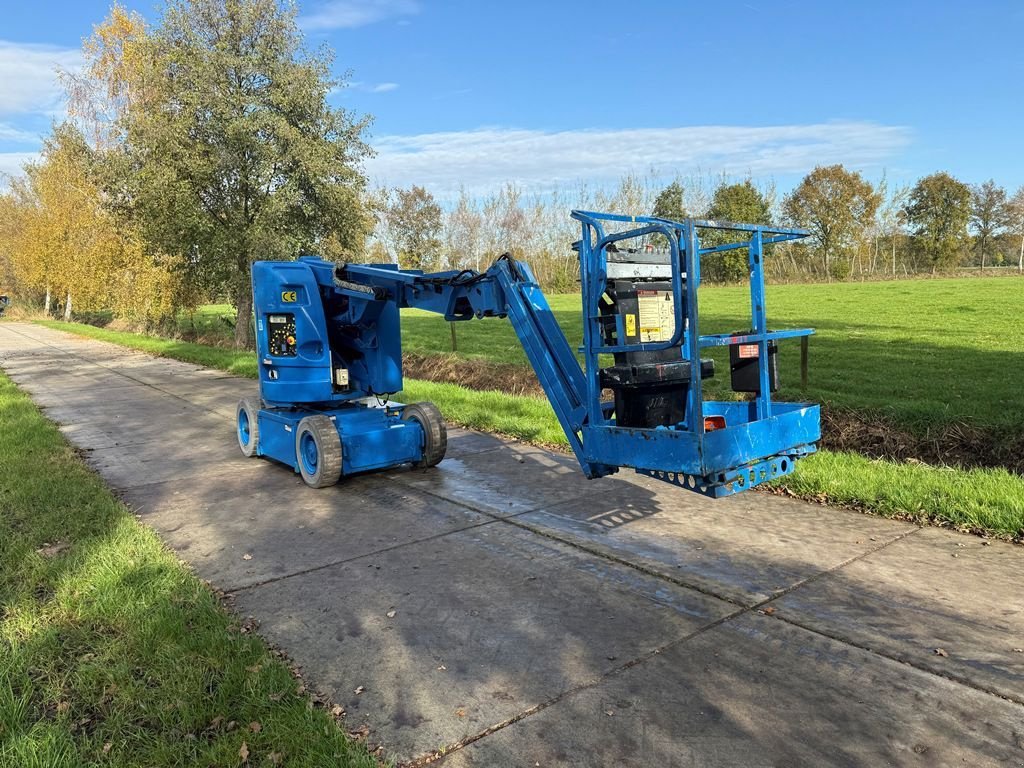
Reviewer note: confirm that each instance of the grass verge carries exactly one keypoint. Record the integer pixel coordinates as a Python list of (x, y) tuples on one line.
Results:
[(111, 652), (989, 501)]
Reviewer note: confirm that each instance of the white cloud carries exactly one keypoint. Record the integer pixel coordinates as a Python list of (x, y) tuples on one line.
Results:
[(348, 14), (11, 134), (481, 160), (11, 164), (359, 85), (28, 77)]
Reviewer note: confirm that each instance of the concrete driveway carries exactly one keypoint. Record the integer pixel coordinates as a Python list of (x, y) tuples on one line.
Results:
[(502, 610)]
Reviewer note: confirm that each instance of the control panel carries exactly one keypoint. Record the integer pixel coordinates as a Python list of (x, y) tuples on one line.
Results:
[(281, 335)]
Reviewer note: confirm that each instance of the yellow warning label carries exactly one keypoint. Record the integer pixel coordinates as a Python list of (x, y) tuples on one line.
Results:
[(631, 325), (657, 315)]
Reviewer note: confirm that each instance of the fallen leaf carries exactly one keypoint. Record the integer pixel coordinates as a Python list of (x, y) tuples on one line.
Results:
[(275, 696), (359, 690), (63, 706), (337, 710), (107, 747), (52, 550), (255, 726), (215, 723), (244, 752), (276, 758), (609, 712), (460, 712), (247, 556), (940, 652), (232, 725), (254, 668), (390, 614), (769, 611)]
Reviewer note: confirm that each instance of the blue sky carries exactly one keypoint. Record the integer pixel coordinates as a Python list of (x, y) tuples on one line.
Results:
[(473, 94)]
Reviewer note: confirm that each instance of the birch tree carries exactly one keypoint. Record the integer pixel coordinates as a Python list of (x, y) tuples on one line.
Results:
[(237, 155)]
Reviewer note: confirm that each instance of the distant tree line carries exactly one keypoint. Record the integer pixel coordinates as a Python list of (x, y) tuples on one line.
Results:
[(858, 229)]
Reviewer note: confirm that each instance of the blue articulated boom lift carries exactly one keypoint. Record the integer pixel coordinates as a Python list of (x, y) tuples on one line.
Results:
[(330, 357)]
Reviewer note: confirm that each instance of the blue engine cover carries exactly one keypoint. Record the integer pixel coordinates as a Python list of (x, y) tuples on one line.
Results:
[(314, 344)]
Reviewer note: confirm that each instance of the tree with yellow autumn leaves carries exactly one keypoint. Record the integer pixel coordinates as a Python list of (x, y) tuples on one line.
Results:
[(196, 147)]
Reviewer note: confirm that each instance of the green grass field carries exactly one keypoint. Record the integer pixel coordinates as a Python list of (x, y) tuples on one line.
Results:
[(111, 652), (922, 352)]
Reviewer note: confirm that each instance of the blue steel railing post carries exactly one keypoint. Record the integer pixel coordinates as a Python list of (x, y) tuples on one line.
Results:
[(755, 256), (695, 396), (591, 310)]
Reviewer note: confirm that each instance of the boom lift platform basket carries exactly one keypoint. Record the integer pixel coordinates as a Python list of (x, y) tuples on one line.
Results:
[(329, 346)]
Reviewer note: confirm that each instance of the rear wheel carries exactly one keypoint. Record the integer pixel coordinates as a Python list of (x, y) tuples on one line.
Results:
[(248, 426), (318, 451), (435, 433)]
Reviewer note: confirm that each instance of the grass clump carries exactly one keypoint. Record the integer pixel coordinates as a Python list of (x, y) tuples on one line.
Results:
[(111, 652)]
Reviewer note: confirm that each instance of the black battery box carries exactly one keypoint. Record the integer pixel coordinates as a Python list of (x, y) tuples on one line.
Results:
[(744, 365)]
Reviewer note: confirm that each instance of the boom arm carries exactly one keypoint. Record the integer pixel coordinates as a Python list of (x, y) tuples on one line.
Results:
[(507, 288)]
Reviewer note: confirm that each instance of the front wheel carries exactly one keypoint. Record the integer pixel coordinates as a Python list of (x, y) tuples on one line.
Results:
[(318, 451), (248, 427), (435, 433)]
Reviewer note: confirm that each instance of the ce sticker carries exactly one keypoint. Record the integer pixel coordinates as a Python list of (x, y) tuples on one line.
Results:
[(289, 297)]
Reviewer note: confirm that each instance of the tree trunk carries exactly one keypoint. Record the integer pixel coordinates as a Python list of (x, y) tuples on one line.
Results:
[(894, 255), (1020, 261), (242, 319), (67, 309), (49, 300)]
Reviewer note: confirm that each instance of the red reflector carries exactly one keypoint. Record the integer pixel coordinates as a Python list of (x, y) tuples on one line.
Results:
[(711, 423), (748, 350)]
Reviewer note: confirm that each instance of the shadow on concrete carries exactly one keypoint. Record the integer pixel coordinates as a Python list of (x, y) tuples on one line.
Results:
[(491, 621)]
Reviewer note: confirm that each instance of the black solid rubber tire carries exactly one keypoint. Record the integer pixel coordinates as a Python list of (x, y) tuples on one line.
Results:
[(435, 442), (328, 445), (252, 412)]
